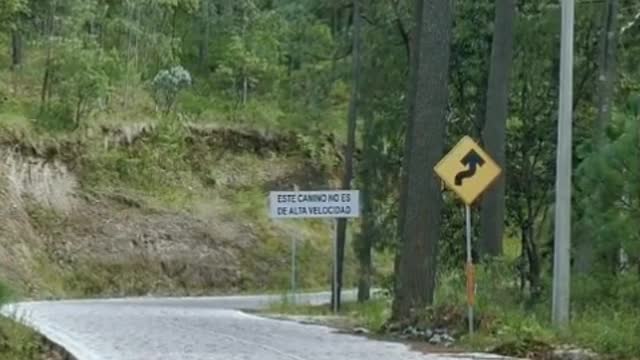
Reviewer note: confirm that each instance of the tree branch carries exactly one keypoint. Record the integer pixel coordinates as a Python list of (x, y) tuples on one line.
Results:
[(630, 24), (402, 29)]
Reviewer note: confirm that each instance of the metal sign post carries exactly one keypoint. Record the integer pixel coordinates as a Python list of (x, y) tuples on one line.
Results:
[(335, 267), (469, 171), (470, 272), (293, 270)]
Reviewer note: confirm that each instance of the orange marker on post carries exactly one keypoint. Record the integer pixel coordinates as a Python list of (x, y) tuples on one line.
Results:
[(471, 284)]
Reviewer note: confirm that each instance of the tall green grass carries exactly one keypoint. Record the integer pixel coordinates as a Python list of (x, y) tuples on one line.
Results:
[(17, 342)]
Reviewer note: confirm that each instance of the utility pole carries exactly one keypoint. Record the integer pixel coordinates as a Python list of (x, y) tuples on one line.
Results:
[(562, 239)]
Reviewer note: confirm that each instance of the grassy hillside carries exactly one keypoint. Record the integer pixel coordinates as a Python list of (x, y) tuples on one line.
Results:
[(135, 201), (175, 209)]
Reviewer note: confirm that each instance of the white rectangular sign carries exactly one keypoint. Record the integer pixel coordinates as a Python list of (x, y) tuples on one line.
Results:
[(315, 204)]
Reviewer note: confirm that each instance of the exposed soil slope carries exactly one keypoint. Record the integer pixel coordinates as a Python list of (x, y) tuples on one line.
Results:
[(66, 231)]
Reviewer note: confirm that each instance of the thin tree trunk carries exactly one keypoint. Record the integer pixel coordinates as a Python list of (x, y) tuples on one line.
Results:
[(351, 140), (228, 8), (46, 80), (607, 66), (245, 89), (365, 241), (174, 27), (245, 80), (204, 42), (79, 106), (412, 54), (534, 265), (606, 86), (422, 210), (492, 214), (17, 49)]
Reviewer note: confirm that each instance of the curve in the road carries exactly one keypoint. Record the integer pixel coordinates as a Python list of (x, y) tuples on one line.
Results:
[(195, 329)]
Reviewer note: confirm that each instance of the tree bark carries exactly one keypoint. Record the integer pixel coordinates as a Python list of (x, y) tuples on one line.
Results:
[(412, 54), (607, 66), (606, 85), (46, 79), (530, 249), (492, 214), (17, 49), (203, 50), (365, 240), (422, 201), (245, 90), (351, 140)]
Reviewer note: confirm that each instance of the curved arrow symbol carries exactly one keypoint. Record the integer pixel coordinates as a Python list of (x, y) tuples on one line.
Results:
[(472, 160)]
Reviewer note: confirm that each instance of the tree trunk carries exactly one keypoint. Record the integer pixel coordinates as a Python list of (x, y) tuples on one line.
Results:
[(17, 49), (404, 178), (607, 66), (45, 83), (534, 265), (351, 139), (365, 240), (46, 79), (245, 89), (203, 50), (606, 86), (245, 78), (422, 210), (228, 8), (174, 28), (492, 214)]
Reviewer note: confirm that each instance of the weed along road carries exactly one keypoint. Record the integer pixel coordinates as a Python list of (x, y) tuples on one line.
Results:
[(195, 329)]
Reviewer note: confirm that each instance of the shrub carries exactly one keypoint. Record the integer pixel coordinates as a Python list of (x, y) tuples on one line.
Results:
[(80, 77), (608, 330), (5, 293), (167, 85)]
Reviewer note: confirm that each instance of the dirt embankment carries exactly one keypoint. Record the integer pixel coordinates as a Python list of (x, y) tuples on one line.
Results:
[(59, 238)]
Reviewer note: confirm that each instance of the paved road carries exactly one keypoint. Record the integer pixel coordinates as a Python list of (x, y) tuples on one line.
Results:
[(195, 329)]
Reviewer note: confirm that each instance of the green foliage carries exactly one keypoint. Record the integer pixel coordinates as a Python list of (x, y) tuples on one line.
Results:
[(18, 342), (9, 10), (167, 85), (609, 178), (517, 327), (81, 77), (605, 318), (5, 293), (155, 166), (608, 330)]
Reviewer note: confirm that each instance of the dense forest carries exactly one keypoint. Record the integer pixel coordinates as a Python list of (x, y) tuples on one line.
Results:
[(397, 83)]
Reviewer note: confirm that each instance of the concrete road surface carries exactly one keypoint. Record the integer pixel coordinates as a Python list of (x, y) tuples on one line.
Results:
[(196, 329)]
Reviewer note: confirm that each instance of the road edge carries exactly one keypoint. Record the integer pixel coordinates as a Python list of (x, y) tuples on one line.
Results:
[(57, 348)]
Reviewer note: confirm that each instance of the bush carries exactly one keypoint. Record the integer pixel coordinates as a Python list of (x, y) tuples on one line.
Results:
[(5, 293), (56, 117), (608, 330), (167, 85), (17, 342)]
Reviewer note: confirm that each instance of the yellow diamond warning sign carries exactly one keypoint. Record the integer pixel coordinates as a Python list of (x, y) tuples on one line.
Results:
[(468, 170)]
